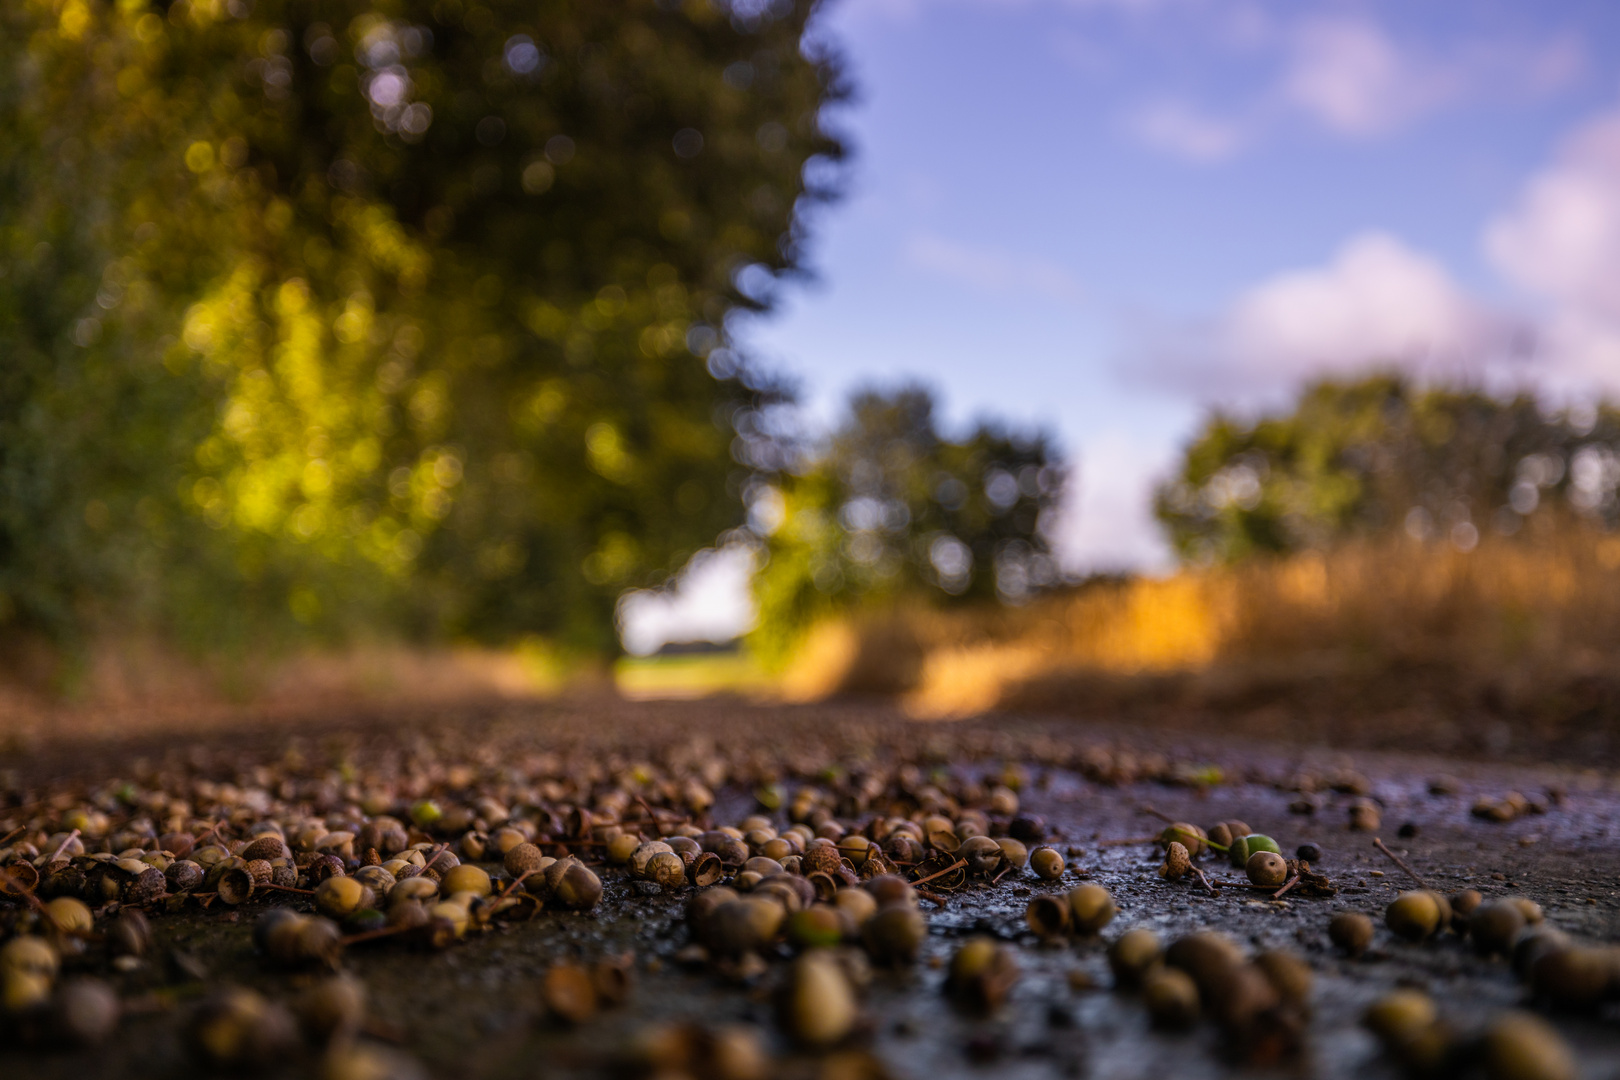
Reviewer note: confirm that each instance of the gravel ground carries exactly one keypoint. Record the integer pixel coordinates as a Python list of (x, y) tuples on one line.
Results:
[(473, 1011)]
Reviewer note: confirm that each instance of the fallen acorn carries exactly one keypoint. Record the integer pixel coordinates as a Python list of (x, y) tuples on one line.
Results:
[(466, 878), (1494, 926), (1205, 955), (665, 869), (1399, 1015), (1049, 915), (1190, 837), (817, 926), (1364, 816), (85, 1011), (1414, 915), (981, 975), (237, 1028), (817, 1004), (1532, 943), (859, 904), (1177, 862), (1090, 909), (1520, 1046), (577, 888), (1463, 905), (895, 934), (1351, 931), (1289, 975), (1133, 955), (569, 993), (1246, 845), (340, 897), (1047, 862), (331, 1009), (1171, 998), (1266, 868), (1574, 978)]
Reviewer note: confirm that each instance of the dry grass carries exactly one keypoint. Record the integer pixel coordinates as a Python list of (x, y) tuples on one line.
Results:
[(1382, 636)]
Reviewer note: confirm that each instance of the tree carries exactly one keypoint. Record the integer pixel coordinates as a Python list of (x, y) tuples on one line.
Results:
[(887, 508), (1382, 454), (386, 313)]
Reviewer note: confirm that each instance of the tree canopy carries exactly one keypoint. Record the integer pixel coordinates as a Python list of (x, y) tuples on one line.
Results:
[(1382, 454), (403, 313), (888, 507)]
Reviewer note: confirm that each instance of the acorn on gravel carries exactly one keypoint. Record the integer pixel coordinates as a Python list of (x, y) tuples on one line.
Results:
[(331, 1009), (819, 925), (1177, 862), (1289, 975), (466, 878), (858, 904), (1047, 862), (236, 1028), (1494, 926), (1463, 905), (1171, 998), (895, 934), (1414, 915), (1399, 1015), (739, 926), (85, 1011), (1207, 956), (665, 869), (1049, 915), (1364, 816), (1132, 955), (817, 1004), (1266, 868), (1521, 1046), (1090, 909), (1532, 943), (340, 897), (1190, 837), (1573, 978), (577, 887), (983, 855), (1351, 931), (1246, 845), (981, 975)]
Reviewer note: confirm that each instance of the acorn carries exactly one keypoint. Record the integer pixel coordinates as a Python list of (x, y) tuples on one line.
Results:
[(1520, 1046), (1090, 909), (1399, 1015), (1177, 862), (29, 955), (1133, 955), (817, 1003), (1014, 853), (85, 1011), (1351, 931), (741, 926), (302, 941), (1221, 834), (613, 978), (1246, 845), (1463, 905), (267, 848), (340, 897), (902, 847), (702, 905), (1289, 975), (1171, 998), (666, 869), (237, 1028), (981, 975), (577, 888), (983, 855), (895, 934), (569, 992), (1309, 853), (1528, 908), (1414, 915), (820, 925), (331, 1009), (1188, 836), (856, 848), (1047, 862), (413, 888), (1240, 998), (363, 1061), (1364, 816), (380, 880), (619, 850), (466, 878), (1572, 978), (70, 916), (1049, 915), (130, 934), (1207, 956), (234, 885), (1532, 943), (644, 853), (1266, 868), (858, 904), (891, 889), (23, 992), (145, 886), (1494, 925)]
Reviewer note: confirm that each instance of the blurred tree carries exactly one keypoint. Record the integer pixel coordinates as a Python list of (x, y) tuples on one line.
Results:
[(386, 313), (888, 508), (1381, 454)]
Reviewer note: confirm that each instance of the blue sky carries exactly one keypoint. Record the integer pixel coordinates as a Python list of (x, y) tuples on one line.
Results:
[(1108, 216)]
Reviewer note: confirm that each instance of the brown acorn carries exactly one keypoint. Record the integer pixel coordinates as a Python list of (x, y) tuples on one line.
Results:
[(577, 888), (1047, 862), (569, 993), (817, 1004), (130, 934), (895, 934), (1133, 955), (1177, 862), (1414, 915), (1289, 975), (1049, 915), (1267, 869), (1171, 998), (1494, 926), (1090, 909), (331, 1009), (981, 975), (1351, 931), (1521, 1046)]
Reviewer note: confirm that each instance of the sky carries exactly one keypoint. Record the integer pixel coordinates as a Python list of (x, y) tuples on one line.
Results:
[(1109, 217)]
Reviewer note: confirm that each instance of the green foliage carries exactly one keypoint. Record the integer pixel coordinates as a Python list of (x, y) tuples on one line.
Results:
[(1382, 454), (888, 508), (351, 314)]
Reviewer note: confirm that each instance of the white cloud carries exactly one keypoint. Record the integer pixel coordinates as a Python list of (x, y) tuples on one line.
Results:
[(710, 601), (1351, 76), (1376, 302), (1106, 520), (1183, 131), (992, 270)]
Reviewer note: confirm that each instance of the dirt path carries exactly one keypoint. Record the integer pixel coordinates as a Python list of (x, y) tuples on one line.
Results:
[(474, 1011)]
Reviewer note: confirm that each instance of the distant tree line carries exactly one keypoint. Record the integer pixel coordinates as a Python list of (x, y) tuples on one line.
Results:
[(1385, 454)]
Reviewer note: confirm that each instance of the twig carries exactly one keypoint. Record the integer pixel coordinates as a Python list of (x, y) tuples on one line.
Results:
[(516, 882), (1160, 814), (1289, 884), (1213, 891), (957, 865), (6, 839), (373, 935), (57, 854), (1398, 861), (935, 897), (284, 888)]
